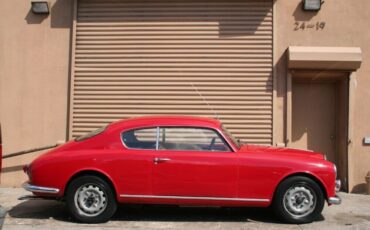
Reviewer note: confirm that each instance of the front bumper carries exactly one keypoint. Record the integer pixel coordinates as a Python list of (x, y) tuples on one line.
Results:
[(335, 200), (39, 189)]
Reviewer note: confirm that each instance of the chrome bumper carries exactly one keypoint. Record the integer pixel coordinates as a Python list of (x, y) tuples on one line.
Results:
[(35, 188), (334, 200)]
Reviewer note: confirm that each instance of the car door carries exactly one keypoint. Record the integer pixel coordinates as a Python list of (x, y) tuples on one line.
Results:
[(193, 162), (136, 161)]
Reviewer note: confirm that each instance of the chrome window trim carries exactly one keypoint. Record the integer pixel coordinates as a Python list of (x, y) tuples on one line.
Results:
[(196, 198), (157, 139), (229, 137), (218, 132)]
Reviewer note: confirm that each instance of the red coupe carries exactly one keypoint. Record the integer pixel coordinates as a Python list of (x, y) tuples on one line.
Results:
[(183, 161)]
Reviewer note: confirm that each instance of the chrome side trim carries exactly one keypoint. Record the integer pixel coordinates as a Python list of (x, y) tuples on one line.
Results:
[(335, 200), (32, 197), (35, 188), (195, 198)]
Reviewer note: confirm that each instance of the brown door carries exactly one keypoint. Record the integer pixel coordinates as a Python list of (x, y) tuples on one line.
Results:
[(314, 117)]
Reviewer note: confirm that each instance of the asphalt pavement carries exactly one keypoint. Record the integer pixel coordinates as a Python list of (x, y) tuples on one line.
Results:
[(353, 213)]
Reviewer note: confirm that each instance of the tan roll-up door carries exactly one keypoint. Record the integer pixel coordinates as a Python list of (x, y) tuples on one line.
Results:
[(135, 58)]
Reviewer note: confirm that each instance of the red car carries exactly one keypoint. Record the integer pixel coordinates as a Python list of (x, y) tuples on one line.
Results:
[(183, 161)]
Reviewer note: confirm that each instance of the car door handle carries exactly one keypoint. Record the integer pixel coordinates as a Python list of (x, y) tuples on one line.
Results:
[(158, 160)]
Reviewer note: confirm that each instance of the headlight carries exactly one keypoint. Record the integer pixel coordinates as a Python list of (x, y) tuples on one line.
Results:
[(335, 170), (338, 185)]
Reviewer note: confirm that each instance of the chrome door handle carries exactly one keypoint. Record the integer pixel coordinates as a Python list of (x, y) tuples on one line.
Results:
[(158, 160)]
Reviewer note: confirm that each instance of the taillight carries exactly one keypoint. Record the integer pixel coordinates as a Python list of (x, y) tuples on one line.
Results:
[(25, 169)]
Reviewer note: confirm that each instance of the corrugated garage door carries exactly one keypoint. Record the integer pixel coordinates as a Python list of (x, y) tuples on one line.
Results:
[(135, 58)]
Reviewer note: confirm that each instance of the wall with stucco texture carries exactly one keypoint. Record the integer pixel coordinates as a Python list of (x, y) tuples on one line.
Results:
[(34, 71), (346, 24)]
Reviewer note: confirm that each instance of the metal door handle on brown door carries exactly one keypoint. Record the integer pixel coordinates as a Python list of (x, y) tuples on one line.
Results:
[(158, 160)]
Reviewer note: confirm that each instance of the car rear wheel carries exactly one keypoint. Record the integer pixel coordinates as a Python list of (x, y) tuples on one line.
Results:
[(90, 199), (298, 200)]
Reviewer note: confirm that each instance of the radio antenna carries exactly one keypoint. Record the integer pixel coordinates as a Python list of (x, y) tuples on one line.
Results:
[(204, 99)]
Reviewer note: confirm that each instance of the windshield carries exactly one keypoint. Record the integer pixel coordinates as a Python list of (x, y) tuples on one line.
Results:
[(91, 134), (233, 139)]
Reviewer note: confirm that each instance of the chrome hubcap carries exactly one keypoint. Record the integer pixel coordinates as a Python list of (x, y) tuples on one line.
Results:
[(299, 201), (90, 200)]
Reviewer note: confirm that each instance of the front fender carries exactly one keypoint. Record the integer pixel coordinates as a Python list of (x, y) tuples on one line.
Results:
[(322, 179)]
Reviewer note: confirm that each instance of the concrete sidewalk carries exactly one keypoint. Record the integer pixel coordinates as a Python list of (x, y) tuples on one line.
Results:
[(354, 213)]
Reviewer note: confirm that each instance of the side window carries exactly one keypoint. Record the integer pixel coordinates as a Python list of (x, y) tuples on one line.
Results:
[(187, 138), (140, 138)]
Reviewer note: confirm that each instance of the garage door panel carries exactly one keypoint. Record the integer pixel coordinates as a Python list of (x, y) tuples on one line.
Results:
[(136, 58)]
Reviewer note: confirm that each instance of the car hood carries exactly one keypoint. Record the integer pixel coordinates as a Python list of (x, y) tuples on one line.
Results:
[(280, 150)]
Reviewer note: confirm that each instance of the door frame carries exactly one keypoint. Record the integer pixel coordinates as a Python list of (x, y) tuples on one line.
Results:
[(351, 75), (346, 59)]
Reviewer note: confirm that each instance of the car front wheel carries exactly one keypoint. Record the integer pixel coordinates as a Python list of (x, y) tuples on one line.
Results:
[(90, 199), (298, 200)]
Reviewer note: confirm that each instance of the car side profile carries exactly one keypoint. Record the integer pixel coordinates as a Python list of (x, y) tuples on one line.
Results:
[(183, 161)]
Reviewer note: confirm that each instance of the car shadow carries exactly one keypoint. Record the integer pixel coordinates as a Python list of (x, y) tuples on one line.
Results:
[(40, 209), (46, 209), (188, 214)]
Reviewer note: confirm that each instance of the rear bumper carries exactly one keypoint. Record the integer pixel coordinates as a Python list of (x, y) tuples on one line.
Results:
[(39, 189), (334, 200)]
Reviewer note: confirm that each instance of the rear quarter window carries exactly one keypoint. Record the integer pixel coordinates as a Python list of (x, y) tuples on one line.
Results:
[(140, 138)]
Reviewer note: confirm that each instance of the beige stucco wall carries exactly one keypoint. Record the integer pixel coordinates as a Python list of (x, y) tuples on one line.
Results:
[(346, 25), (34, 70)]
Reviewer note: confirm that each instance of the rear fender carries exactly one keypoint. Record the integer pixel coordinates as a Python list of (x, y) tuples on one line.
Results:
[(94, 172)]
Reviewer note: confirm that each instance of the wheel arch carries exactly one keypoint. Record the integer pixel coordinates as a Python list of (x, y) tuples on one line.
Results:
[(304, 174), (92, 172)]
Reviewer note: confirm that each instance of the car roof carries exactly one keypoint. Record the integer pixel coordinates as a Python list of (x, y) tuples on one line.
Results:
[(148, 121)]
